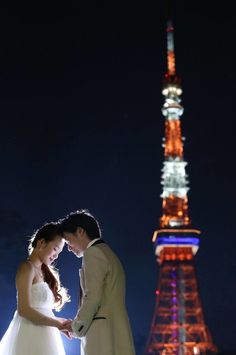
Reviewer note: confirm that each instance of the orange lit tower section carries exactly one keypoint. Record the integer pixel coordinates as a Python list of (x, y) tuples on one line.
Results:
[(178, 326)]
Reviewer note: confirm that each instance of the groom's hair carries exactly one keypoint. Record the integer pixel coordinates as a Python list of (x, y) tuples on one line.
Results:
[(83, 219)]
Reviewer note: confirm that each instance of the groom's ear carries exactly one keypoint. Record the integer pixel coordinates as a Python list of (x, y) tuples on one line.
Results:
[(80, 231)]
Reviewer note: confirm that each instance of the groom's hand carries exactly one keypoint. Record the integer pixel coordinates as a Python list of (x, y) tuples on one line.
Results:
[(66, 329), (67, 334), (66, 325)]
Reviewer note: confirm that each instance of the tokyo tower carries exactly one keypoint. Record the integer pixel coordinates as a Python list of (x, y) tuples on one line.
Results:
[(178, 326)]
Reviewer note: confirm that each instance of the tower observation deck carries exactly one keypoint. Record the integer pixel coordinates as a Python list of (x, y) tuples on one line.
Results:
[(178, 325)]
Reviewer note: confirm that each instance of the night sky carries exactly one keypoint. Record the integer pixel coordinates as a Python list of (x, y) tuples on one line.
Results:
[(81, 127)]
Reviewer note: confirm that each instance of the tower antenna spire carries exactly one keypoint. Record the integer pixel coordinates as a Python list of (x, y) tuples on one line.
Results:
[(170, 49)]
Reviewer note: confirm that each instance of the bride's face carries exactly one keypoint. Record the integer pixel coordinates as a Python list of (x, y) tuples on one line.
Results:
[(51, 250)]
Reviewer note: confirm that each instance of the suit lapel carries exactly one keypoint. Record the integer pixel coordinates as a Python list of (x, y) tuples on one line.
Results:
[(81, 274)]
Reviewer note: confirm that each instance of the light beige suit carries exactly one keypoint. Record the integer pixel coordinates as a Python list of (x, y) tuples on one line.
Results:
[(102, 322)]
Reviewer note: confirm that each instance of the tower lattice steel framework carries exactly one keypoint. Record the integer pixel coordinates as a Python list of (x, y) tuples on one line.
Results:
[(178, 325)]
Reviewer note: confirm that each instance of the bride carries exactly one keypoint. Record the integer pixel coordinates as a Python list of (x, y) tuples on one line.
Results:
[(34, 329)]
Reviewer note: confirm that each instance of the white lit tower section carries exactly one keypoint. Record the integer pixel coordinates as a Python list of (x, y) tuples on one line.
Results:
[(174, 178)]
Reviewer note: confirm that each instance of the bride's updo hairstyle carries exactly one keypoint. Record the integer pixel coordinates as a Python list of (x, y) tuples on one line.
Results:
[(48, 232)]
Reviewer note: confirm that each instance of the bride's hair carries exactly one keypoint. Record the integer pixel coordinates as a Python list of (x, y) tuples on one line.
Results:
[(48, 232)]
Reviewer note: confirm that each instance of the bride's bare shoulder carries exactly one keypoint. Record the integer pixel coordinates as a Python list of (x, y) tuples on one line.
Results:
[(25, 267)]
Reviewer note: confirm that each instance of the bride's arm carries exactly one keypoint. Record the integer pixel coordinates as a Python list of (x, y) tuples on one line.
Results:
[(24, 280)]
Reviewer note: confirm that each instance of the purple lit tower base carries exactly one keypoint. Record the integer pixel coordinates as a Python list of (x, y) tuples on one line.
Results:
[(178, 326)]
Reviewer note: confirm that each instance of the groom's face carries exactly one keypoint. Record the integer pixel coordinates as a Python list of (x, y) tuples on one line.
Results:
[(75, 243)]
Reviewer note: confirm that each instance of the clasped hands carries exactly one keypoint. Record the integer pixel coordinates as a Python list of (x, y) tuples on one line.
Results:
[(66, 328)]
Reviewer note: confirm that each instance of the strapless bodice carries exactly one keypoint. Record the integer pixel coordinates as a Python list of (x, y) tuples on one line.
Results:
[(42, 296)]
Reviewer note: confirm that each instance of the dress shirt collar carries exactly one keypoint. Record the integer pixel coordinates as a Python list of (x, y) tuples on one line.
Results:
[(92, 242)]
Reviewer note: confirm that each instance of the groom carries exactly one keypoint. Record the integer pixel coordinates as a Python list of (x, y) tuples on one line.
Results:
[(101, 322)]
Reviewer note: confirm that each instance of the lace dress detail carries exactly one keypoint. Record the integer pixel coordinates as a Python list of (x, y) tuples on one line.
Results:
[(41, 296), (26, 338)]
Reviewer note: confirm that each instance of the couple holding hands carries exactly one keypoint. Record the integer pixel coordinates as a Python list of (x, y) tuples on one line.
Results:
[(101, 321)]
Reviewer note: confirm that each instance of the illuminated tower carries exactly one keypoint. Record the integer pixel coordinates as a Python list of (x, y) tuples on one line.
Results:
[(178, 325)]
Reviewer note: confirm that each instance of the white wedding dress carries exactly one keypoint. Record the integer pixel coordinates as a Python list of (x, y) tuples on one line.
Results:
[(26, 338)]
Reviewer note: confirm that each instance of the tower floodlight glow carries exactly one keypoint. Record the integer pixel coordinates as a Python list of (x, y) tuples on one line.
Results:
[(178, 325)]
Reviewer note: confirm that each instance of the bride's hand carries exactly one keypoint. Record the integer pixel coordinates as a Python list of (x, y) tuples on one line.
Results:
[(65, 324), (62, 320)]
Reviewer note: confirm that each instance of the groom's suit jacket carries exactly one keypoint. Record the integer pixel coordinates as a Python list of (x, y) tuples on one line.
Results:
[(102, 322)]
